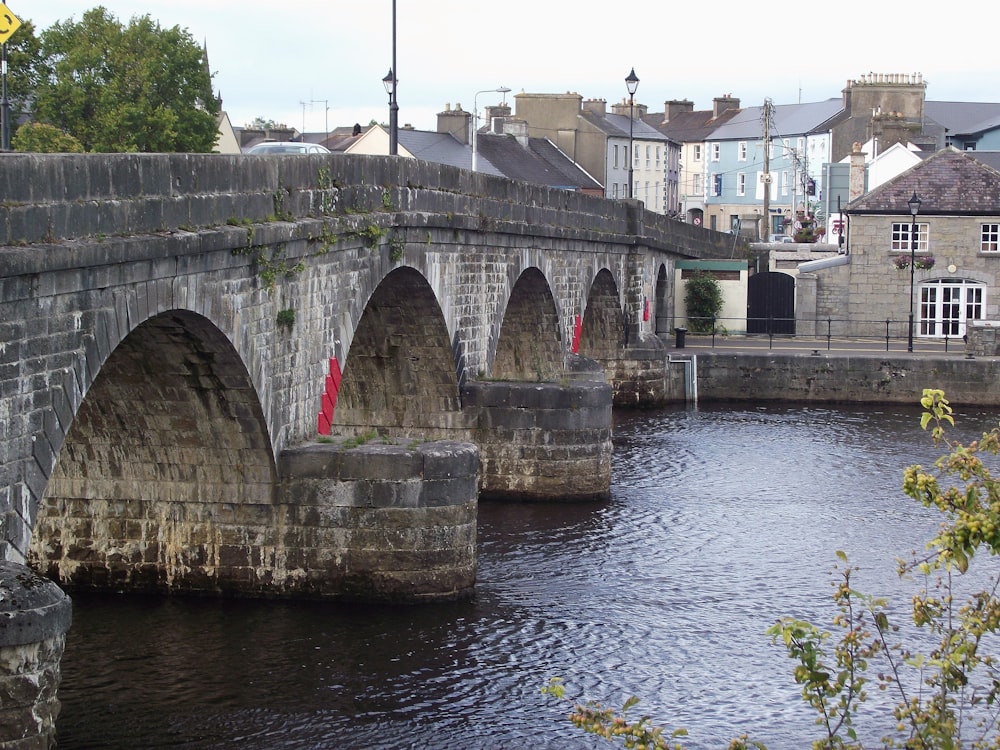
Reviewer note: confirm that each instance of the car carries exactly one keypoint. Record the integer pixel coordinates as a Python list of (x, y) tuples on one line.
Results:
[(287, 147)]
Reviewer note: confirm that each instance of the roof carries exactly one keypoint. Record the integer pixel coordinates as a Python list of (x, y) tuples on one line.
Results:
[(539, 161), (618, 126), (786, 120), (441, 148), (948, 182), (964, 118), (688, 127)]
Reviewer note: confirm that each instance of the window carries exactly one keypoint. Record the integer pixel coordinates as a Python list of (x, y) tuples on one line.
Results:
[(696, 184), (716, 184), (716, 151), (800, 144), (901, 237), (657, 157), (614, 151), (946, 306), (647, 156), (697, 152), (741, 151), (784, 182), (635, 157), (770, 148), (614, 190), (741, 184), (991, 238)]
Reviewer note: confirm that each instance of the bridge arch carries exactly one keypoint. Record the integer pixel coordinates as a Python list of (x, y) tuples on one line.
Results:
[(602, 334), (169, 443), (400, 372), (529, 345)]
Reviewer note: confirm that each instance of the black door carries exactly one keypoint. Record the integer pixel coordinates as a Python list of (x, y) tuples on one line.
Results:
[(771, 303)]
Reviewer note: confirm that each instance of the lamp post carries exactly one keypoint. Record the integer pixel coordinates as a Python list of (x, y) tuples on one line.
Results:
[(914, 204), (390, 82), (390, 88), (475, 117), (631, 83)]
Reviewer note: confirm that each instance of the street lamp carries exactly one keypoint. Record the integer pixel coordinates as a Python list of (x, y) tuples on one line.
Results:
[(914, 204), (631, 83), (390, 88), (475, 117)]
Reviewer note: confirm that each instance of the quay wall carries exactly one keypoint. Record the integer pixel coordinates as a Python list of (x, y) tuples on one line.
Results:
[(855, 378)]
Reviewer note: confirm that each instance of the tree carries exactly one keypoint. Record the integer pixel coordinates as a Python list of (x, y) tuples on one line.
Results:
[(703, 301), (24, 54), (46, 139), (126, 88)]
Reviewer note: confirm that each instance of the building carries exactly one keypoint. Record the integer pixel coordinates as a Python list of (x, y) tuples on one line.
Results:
[(503, 149), (599, 141), (956, 247), (689, 128)]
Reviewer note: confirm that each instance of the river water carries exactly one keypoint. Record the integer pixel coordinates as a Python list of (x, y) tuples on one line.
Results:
[(722, 519)]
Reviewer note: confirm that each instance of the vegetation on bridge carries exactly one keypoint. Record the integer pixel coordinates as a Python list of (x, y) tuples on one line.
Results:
[(946, 693)]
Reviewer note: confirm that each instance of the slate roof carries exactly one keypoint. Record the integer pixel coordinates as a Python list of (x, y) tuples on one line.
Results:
[(690, 127), (786, 120), (617, 126), (540, 162), (963, 118), (442, 148), (948, 182)]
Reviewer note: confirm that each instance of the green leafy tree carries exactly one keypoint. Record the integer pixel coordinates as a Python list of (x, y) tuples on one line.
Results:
[(703, 301), (138, 87), (24, 55), (48, 139)]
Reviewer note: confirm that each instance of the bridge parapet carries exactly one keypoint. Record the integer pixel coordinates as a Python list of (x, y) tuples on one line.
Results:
[(49, 198)]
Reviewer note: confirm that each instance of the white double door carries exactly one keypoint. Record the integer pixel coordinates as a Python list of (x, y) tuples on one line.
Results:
[(946, 305)]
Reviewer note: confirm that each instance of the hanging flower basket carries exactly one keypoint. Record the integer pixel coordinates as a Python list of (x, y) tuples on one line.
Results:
[(901, 262), (924, 262)]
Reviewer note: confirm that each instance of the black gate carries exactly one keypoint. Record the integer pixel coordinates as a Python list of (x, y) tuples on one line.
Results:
[(771, 303)]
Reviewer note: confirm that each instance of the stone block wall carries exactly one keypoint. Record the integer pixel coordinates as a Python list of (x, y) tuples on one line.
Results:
[(34, 618), (542, 441)]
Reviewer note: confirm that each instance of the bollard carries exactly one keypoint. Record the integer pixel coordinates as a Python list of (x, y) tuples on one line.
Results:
[(34, 617), (680, 334)]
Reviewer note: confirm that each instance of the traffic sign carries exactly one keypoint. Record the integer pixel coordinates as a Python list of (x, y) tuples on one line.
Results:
[(9, 23)]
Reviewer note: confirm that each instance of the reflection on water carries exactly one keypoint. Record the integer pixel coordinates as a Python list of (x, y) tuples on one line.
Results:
[(721, 520)]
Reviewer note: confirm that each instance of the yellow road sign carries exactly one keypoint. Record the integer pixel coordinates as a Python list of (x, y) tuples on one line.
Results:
[(9, 23)]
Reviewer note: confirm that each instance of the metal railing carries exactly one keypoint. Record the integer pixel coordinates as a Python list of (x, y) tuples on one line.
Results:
[(826, 333)]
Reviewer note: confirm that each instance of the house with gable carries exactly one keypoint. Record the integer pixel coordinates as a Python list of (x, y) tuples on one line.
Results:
[(599, 140), (742, 164), (690, 128), (956, 273)]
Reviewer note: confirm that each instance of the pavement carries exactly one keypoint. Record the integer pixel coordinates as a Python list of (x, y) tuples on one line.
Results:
[(954, 347)]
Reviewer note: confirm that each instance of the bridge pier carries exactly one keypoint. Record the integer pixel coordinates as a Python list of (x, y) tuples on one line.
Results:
[(383, 521), (542, 441), (34, 617)]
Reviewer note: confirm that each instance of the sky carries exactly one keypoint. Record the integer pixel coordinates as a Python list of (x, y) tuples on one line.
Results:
[(318, 65)]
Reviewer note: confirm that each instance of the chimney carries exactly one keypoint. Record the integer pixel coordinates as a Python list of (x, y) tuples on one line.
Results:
[(622, 108), (596, 107), (495, 117), (675, 107), (721, 103), (455, 121), (518, 129), (856, 181)]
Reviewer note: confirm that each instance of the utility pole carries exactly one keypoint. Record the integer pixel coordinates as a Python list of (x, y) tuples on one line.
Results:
[(767, 171)]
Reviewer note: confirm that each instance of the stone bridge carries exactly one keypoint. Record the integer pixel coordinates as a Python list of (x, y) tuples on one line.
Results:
[(296, 376)]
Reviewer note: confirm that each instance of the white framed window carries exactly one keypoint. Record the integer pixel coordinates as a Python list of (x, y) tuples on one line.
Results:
[(741, 151), (697, 152), (741, 183), (784, 182), (614, 155), (696, 184), (614, 190), (716, 151), (716, 184), (990, 242), (648, 149), (657, 157), (800, 144), (947, 305), (635, 156), (901, 237), (770, 148)]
